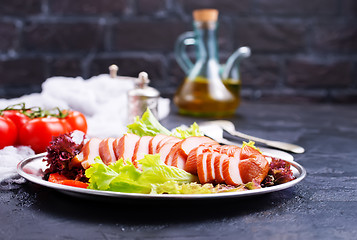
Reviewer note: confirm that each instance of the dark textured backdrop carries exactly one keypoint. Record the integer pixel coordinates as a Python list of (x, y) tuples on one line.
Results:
[(303, 50)]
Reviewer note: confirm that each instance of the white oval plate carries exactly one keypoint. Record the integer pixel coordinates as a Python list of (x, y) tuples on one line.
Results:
[(33, 168)]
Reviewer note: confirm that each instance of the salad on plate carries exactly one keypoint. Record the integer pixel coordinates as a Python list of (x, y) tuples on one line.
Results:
[(150, 159)]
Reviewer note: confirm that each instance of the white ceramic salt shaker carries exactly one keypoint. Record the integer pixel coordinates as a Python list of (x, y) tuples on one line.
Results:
[(142, 97)]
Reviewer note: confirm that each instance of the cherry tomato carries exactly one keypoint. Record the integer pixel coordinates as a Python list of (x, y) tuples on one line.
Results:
[(77, 121), (18, 118), (8, 132), (66, 125), (36, 127), (38, 132)]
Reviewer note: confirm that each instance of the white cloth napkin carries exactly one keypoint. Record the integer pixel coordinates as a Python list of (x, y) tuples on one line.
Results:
[(102, 99)]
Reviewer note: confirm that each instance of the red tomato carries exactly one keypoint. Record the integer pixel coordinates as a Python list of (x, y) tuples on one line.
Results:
[(56, 178), (38, 132), (74, 183), (8, 132), (66, 125), (77, 121), (60, 179), (18, 118)]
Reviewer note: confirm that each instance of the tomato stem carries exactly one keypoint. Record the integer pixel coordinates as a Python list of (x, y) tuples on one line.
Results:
[(36, 112)]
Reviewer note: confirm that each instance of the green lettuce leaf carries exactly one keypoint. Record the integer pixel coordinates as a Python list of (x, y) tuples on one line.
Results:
[(148, 125), (172, 187), (188, 188), (183, 133), (156, 172), (118, 177), (124, 177)]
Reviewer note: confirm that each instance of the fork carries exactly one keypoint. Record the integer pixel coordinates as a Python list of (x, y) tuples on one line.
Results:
[(230, 128)]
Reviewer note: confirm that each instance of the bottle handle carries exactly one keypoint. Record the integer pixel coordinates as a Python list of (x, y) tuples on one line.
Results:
[(185, 39), (233, 60)]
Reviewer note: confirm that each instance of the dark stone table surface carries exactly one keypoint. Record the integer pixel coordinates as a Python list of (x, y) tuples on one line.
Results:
[(322, 206)]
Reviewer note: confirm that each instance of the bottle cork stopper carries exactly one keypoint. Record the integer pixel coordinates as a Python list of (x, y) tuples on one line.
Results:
[(205, 15), (113, 71)]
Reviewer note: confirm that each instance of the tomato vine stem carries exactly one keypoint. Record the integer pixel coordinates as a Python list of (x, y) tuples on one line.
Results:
[(36, 112)]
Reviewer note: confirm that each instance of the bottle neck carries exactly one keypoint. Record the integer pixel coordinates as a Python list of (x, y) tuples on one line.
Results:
[(206, 37)]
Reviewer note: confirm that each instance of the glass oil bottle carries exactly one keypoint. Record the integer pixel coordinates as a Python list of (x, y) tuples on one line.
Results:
[(203, 93)]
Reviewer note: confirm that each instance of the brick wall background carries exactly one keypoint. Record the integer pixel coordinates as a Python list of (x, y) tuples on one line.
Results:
[(302, 50)]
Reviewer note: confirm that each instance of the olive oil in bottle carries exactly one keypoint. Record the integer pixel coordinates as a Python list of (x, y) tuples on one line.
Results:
[(199, 97), (234, 87), (203, 93)]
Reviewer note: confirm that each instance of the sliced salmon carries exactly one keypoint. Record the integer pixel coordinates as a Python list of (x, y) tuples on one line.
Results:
[(231, 151), (154, 142), (211, 175), (247, 151), (218, 167), (106, 151), (202, 167), (181, 153), (178, 159), (173, 151), (89, 152), (124, 146), (191, 142), (164, 140), (231, 171), (165, 149), (255, 168), (141, 149), (191, 160)]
